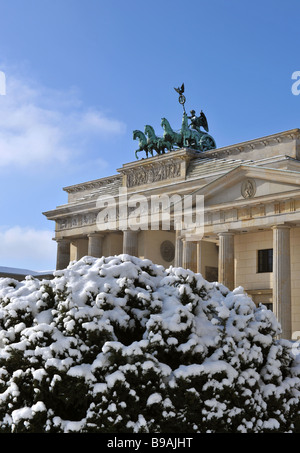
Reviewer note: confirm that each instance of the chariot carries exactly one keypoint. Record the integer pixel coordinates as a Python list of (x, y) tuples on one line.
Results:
[(189, 136)]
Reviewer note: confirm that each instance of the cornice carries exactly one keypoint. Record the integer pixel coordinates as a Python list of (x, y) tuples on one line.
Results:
[(95, 184), (178, 154), (250, 145)]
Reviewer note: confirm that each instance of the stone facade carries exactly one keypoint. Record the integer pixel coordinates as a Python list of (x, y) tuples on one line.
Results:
[(251, 197)]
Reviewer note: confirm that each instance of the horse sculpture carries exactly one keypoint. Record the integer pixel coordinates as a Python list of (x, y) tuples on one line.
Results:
[(154, 143), (142, 143), (171, 136)]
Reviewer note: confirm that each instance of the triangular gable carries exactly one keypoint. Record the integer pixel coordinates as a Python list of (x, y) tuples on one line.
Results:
[(249, 182)]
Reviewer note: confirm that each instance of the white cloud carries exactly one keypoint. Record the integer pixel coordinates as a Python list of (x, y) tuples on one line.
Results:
[(27, 248), (42, 129), (95, 122), (39, 125)]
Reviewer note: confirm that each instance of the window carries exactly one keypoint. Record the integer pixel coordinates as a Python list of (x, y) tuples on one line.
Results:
[(265, 260)]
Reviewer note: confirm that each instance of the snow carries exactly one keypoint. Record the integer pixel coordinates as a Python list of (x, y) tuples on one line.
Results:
[(112, 378), (135, 339), (154, 399)]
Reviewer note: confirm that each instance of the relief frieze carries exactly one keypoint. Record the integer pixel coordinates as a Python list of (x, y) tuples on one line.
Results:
[(154, 173), (76, 221)]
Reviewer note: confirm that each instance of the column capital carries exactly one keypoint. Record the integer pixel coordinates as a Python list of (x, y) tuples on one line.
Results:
[(226, 233), (193, 241), (95, 234), (131, 233), (282, 226)]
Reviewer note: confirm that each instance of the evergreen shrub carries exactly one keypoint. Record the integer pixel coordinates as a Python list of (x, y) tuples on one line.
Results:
[(120, 345)]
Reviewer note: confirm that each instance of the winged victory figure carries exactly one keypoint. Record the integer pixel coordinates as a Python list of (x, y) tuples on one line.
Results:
[(198, 121)]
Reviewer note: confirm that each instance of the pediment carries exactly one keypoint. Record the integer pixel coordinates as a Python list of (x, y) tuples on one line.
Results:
[(249, 182)]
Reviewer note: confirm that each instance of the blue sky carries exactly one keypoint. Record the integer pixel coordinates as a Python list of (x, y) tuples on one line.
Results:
[(82, 75)]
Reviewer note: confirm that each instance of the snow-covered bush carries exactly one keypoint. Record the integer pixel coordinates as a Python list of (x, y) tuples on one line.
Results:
[(119, 344)]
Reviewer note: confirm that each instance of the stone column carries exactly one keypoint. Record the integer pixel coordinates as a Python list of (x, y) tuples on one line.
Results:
[(282, 278), (130, 242), (63, 253), (189, 255), (226, 259), (178, 250), (75, 253), (95, 242), (199, 258)]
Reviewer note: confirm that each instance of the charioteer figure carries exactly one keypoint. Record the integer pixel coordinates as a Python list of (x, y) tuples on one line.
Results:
[(198, 121)]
